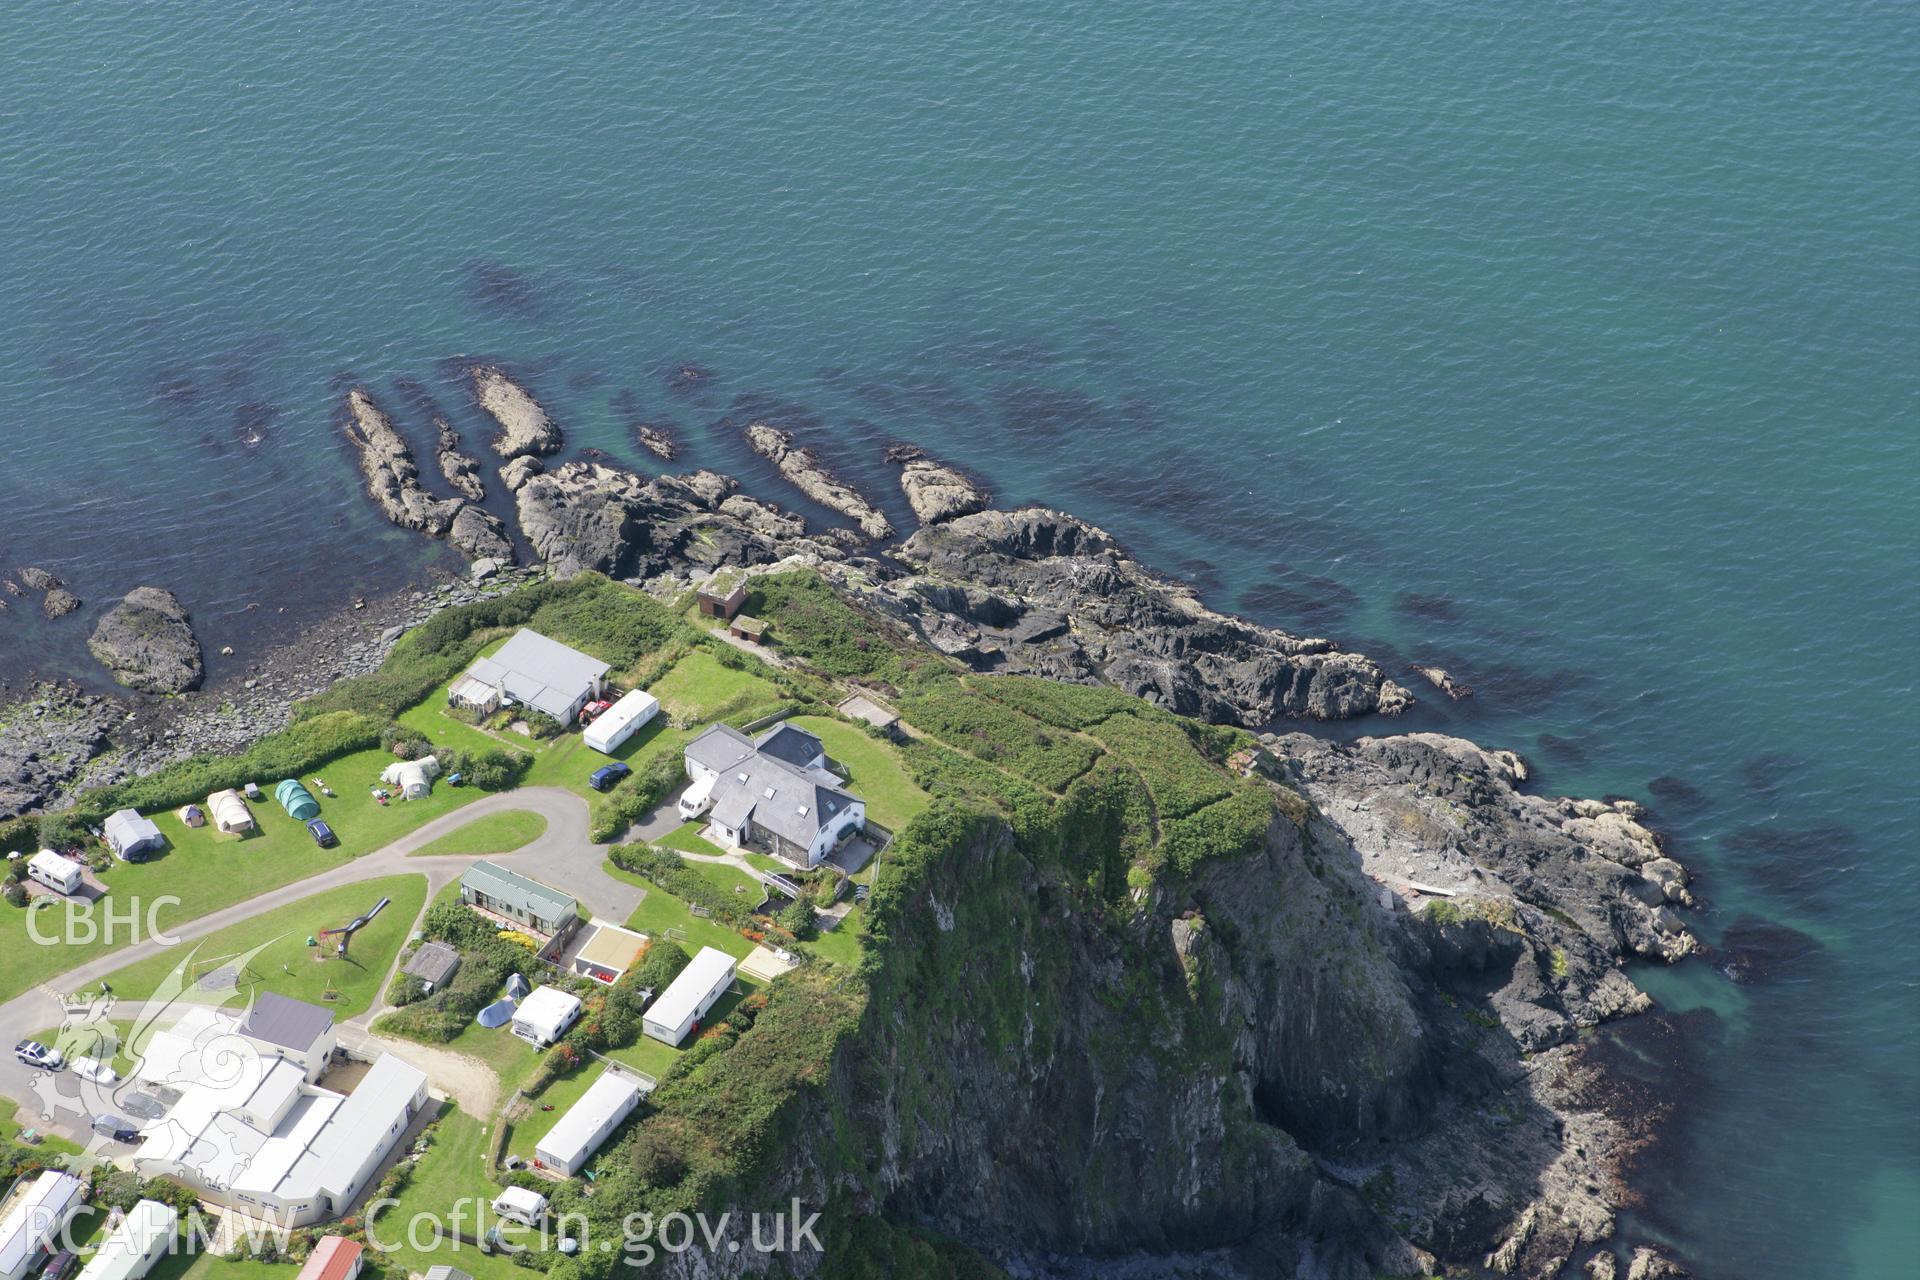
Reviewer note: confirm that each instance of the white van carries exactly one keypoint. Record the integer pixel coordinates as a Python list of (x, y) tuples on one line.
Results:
[(63, 875)]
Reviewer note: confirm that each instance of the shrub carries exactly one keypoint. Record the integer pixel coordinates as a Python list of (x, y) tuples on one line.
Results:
[(1180, 778), (798, 918), (814, 623), (16, 894), (995, 732), (1229, 828), (634, 797), (1067, 706), (665, 868), (493, 769)]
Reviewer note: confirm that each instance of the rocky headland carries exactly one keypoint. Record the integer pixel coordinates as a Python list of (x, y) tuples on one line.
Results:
[(1381, 1065), (393, 482)]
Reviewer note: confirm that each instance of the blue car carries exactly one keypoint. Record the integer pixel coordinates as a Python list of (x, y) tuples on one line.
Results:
[(322, 833), (607, 775)]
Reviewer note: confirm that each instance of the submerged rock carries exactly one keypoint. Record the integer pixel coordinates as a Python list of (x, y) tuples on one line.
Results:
[(59, 602), (1442, 680), (934, 490), (804, 470), (656, 439), (38, 579), (525, 428), (147, 643), (393, 477)]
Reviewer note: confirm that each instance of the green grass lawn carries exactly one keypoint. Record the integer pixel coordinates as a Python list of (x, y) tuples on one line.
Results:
[(661, 915), (287, 964), (489, 834), (510, 1057), (687, 839), (560, 1095), (206, 870), (452, 1175), (701, 688), (654, 1057), (842, 945), (11, 1128), (874, 771), (730, 880)]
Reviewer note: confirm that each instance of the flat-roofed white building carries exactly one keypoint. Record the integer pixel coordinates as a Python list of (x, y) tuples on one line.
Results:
[(689, 996), (39, 1214), (588, 1123), (142, 1239)]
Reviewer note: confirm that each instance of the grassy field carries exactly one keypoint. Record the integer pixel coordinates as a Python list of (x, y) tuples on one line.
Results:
[(206, 1266), (560, 1095), (842, 945), (452, 1175), (700, 687), (510, 1057), (489, 834), (206, 870), (10, 1129), (661, 915), (730, 880), (687, 839), (287, 965), (874, 771)]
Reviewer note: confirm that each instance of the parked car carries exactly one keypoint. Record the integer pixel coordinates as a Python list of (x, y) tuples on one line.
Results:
[(607, 775), (322, 833), (59, 1266), (35, 1054), (95, 1070), (115, 1127)]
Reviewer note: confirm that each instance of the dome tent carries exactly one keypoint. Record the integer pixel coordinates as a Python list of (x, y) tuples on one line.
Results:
[(296, 800)]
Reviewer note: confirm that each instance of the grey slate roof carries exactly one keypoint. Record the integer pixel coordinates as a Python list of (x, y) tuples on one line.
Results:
[(445, 1272), (434, 962), (291, 1024), (540, 673), (779, 794), (789, 743)]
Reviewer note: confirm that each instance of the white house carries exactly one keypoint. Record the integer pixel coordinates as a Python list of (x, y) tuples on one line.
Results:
[(293, 1030), (621, 721), (773, 792), (229, 812), (588, 1123), (142, 1239), (545, 1015), (132, 837), (42, 1211), (62, 875), (530, 670), (521, 1205), (689, 996)]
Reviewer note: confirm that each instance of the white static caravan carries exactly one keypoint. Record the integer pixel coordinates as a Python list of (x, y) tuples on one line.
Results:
[(521, 1205), (62, 875), (689, 996), (42, 1212), (588, 1123), (544, 1016), (141, 1239), (621, 721)]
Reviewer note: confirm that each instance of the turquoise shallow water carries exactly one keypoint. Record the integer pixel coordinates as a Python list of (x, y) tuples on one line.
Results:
[(1575, 347)]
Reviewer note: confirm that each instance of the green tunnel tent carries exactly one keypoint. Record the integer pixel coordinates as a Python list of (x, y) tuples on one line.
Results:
[(296, 800)]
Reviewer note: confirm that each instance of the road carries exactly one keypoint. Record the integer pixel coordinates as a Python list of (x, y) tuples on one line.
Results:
[(562, 857)]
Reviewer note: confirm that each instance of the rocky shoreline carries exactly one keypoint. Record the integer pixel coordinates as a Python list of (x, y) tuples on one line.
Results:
[(1526, 905)]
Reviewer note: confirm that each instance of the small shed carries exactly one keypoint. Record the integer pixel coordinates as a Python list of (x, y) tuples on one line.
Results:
[(230, 813), (132, 837), (722, 595), (192, 815), (296, 800), (434, 964), (747, 627), (861, 707)]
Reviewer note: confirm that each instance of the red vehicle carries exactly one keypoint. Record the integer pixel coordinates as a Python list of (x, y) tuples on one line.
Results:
[(592, 709)]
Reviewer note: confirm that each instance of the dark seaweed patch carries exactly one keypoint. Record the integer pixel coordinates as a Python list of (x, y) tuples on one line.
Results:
[(1202, 575), (1426, 608), (498, 289), (1029, 409), (1796, 863), (755, 406), (1294, 594), (1565, 750), (1764, 773), (1675, 793), (1643, 1065), (1754, 950), (1153, 493), (585, 379)]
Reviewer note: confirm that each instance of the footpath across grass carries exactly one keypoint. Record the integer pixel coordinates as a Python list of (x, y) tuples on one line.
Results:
[(287, 964), (489, 834)]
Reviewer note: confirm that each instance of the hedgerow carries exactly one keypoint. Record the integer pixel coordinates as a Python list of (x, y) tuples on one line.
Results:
[(635, 796)]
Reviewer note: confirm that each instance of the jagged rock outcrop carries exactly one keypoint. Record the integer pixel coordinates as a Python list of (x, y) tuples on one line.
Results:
[(393, 477), (934, 490), (525, 428), (55, 600), (147, 643), (655, 439), (588, 515), (47, 736), (393, 482), (461, 470), (59, 602), (1040, 592), (804, 470)]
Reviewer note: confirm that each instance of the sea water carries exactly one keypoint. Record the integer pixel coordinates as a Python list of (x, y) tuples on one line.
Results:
[(1572, 347)]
